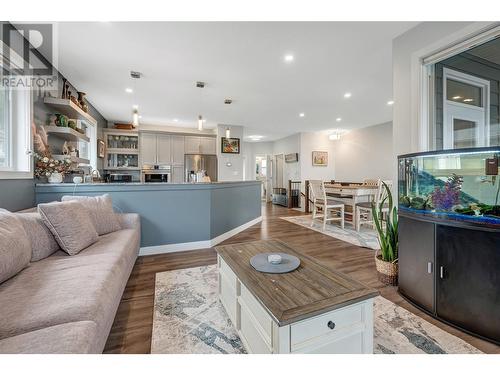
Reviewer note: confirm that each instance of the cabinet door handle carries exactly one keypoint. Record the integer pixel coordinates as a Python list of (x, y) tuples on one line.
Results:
[(429, 267), (441, 272), (331, 325)]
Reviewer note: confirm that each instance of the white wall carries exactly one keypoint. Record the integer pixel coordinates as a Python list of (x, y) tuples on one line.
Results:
[(365, 153), (234, 171), (310, 142), (250, 151)]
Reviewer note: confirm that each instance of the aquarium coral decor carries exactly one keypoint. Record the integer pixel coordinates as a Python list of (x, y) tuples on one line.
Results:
[(444, 198)]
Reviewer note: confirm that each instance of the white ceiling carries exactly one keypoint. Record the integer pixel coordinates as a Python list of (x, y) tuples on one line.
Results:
[(241, 61)]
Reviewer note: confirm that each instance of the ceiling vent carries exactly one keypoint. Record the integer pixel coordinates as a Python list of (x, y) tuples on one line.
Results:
[(228, 101), (134, 74), (200, 84)]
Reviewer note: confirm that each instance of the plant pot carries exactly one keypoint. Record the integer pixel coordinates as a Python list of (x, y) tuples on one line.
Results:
[(55, 178), (387, 271)]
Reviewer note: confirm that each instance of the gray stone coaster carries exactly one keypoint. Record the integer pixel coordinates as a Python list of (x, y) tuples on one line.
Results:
[(288, 263)]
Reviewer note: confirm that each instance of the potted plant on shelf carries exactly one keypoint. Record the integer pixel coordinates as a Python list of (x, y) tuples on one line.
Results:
[(387, 230)]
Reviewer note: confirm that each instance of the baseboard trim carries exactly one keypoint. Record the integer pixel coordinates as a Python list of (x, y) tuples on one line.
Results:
[(196, 245)]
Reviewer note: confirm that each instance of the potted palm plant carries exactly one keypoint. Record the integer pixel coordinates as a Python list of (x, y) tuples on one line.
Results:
[(387, 260)]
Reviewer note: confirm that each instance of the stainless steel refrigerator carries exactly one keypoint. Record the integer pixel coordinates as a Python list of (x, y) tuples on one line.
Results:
[(198, 163)]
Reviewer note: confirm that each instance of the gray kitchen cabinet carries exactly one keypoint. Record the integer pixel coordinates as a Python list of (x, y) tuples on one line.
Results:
[(208, 145), (178, 174), (192, 145), (148, 148), (178, 150), (163, 149)]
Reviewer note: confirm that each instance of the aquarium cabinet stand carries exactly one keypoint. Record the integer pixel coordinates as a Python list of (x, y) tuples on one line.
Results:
[(452, 271)]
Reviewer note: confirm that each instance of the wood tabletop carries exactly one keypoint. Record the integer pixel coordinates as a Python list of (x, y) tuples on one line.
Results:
[(310, 290)]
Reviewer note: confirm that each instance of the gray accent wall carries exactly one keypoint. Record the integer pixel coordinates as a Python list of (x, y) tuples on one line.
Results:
[(17, 195), (174, 213)]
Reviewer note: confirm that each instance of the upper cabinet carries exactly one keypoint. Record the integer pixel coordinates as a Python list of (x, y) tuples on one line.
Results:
[(208, 145), (178, 149), (164, 149), (148, 148), (200, 145)]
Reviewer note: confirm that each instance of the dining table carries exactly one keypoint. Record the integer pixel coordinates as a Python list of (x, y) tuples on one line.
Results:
[(350, 195)]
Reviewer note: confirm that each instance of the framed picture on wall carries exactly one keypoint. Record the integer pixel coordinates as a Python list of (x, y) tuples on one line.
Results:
[(320, 158), (230, 145), (100, 148)]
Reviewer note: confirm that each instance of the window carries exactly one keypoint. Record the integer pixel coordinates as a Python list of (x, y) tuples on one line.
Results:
[(15, 134), (463, 98)]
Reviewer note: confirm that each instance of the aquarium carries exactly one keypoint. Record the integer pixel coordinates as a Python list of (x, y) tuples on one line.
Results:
[(460, 185)]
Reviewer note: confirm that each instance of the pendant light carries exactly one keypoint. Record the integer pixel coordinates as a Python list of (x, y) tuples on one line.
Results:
[(200, 85), (135, 117), (228, 132)]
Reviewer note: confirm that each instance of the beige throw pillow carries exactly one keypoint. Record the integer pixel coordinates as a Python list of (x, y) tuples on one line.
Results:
[(101, 211), (43, 243), (15, 248), (70, 223)]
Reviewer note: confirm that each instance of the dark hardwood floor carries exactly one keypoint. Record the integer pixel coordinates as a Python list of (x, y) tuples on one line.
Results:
[(131, 331)]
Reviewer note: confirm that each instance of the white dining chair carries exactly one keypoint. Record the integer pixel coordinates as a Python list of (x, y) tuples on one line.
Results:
[(364, 209), (329, 206)]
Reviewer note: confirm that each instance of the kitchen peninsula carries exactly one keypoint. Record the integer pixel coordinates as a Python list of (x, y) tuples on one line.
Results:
[(175, 217)]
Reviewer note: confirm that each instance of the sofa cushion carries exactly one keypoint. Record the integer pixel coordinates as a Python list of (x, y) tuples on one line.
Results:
[(61, 289), (70, 223), (101, 212), (67, 338), (15, 248), (42, 240)]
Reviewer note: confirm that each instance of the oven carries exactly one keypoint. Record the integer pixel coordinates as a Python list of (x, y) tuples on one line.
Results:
[(118, 177), (157, 174)]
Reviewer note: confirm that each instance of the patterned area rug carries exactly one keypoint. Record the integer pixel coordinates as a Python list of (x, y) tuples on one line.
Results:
[(188, 319), (366, 237)]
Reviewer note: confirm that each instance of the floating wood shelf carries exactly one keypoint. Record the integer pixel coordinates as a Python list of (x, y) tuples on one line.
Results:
[(70, 109), (67, 134), (73, 159)]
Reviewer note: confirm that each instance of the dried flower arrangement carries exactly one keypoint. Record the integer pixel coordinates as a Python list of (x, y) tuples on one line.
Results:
[(45, 165)]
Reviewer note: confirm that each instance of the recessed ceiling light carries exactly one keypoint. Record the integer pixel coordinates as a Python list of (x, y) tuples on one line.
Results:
[(390, 102), (468, 100), (288, 58), (347, 95), (135, 106), (140, 116), (302, 114), (456, 97), (128, 90), (176, 120), (338, 119), (255, 137)]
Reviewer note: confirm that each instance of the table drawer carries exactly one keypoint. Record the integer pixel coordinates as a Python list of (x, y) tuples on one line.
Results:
[(260, 315), (316, 327), (352, 344)]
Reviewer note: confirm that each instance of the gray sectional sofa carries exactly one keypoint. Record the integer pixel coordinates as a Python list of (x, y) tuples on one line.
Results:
[(67, 304)]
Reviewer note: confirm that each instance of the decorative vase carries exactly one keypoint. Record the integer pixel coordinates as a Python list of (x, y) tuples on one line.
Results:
[(55, 178), (82, 102), (387, 271)]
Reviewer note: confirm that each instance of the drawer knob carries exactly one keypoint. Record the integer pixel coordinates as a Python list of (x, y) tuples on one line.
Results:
[(331, 325)]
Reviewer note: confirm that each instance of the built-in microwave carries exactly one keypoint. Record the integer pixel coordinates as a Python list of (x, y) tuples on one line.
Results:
[(118, 177), (157, 174)]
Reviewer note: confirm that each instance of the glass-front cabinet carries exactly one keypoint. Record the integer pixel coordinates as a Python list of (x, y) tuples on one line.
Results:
[(122, 150), (460, 185)]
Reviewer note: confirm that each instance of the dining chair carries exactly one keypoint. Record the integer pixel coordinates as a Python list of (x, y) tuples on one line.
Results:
[(326, 204), (364, 209)]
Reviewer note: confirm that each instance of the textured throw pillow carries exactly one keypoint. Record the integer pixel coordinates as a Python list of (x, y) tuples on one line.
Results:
[(43, 243), (101, 211), (70, 223), (15, 248)]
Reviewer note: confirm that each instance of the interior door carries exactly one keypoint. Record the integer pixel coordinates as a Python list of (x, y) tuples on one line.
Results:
[(468, 282)]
